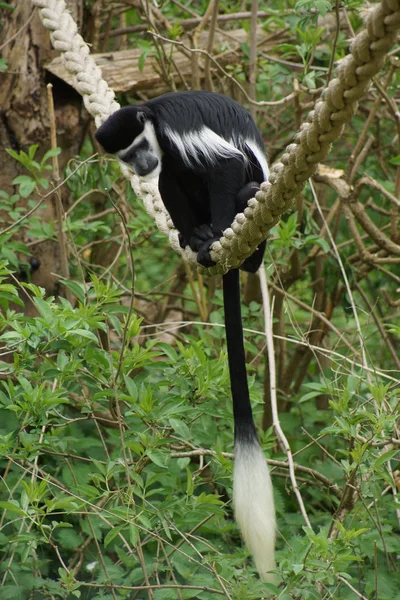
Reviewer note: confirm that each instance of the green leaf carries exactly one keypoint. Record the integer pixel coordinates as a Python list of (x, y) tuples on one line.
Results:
[(133, 535), (8, 288), (158, 458), (169, 351), (112, 534), (50, 153), (14, 508), (32, 151), (44, 309), (297, 568), (12, 592), (83, 333), (26, 185), (385, 457), (181, 428), (76, 288), (65, 503), (141, 60), (131, 387)]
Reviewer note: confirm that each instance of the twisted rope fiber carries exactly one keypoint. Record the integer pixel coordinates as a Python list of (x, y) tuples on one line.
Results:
[(312, 143)]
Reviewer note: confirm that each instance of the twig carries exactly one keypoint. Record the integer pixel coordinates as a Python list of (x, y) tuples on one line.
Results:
[(130, 310), (271, 462), (293, 66), (20, 30), (284, 100), (361, 156), (316, 313), (381, 329), (369, 120), (374, 232), (210, 43), (333, 50), (104, 586), (188, 22), (197, 299), (343, 580), (345, 279), (253, 55), (274, 403), (331, 354), (43, 198), (368, 180)]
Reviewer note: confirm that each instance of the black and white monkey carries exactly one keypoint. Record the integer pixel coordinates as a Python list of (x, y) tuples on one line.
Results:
[(209, 158)]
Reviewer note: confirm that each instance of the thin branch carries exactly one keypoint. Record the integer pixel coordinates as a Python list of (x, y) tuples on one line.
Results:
[(274, 403), (345, 279), (318, 314), (210, 43), (271, 462), (284, 100), (188, 22), (169, 586), (380, 327), (253, 56), (17, 33), (331, 354), (43, 198), (335, 41), (343, 580)]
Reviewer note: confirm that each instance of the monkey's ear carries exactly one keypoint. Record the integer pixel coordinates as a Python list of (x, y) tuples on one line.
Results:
[(141, 116)]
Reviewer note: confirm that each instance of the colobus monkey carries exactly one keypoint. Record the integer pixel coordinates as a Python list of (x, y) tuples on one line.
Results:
[(210, 159)]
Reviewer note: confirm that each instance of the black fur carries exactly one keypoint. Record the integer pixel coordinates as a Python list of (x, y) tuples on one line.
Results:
[(197, 143), (203, 196)]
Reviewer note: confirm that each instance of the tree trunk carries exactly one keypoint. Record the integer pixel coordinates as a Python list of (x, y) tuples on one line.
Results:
[(24, 119)]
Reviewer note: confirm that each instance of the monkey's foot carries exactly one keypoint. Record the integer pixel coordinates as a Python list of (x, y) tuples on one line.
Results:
[(253, 262), (201, 235)]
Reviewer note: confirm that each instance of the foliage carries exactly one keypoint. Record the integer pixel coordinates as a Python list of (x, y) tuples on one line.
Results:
[(115, 412)]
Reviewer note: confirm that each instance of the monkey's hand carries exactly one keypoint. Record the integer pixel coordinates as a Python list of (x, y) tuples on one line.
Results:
[(201, 235), (200, 242), (182, 240), (203, 255)]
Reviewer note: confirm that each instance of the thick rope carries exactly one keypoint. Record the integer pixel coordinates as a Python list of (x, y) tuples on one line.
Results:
[(324, 125), (312, 143), (100, 102)]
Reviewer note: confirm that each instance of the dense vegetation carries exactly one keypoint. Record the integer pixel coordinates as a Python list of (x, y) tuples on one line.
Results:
[(115, 410)]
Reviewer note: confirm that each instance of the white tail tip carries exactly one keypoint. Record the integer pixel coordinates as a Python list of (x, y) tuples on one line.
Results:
[(253, 503)]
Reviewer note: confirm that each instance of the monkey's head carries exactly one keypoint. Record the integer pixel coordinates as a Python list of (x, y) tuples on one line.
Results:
[(129, 133)]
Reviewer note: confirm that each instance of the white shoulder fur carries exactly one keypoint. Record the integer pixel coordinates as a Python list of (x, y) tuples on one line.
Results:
[(205, 144), (260, 156)]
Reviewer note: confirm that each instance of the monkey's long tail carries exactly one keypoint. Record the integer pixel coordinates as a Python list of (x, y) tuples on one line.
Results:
[(253, 499)]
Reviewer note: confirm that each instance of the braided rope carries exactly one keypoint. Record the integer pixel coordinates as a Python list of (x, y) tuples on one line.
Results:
[(99, 101), (312, 143), (324, 124)]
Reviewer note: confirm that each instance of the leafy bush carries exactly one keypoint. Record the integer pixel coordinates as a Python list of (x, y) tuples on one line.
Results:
[(115, 411)]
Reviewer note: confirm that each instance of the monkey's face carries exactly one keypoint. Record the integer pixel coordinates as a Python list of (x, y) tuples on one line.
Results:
[(130, 134), (144, 154)]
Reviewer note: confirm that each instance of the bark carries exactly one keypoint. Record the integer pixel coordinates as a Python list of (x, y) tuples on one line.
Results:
[(24, 117)]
